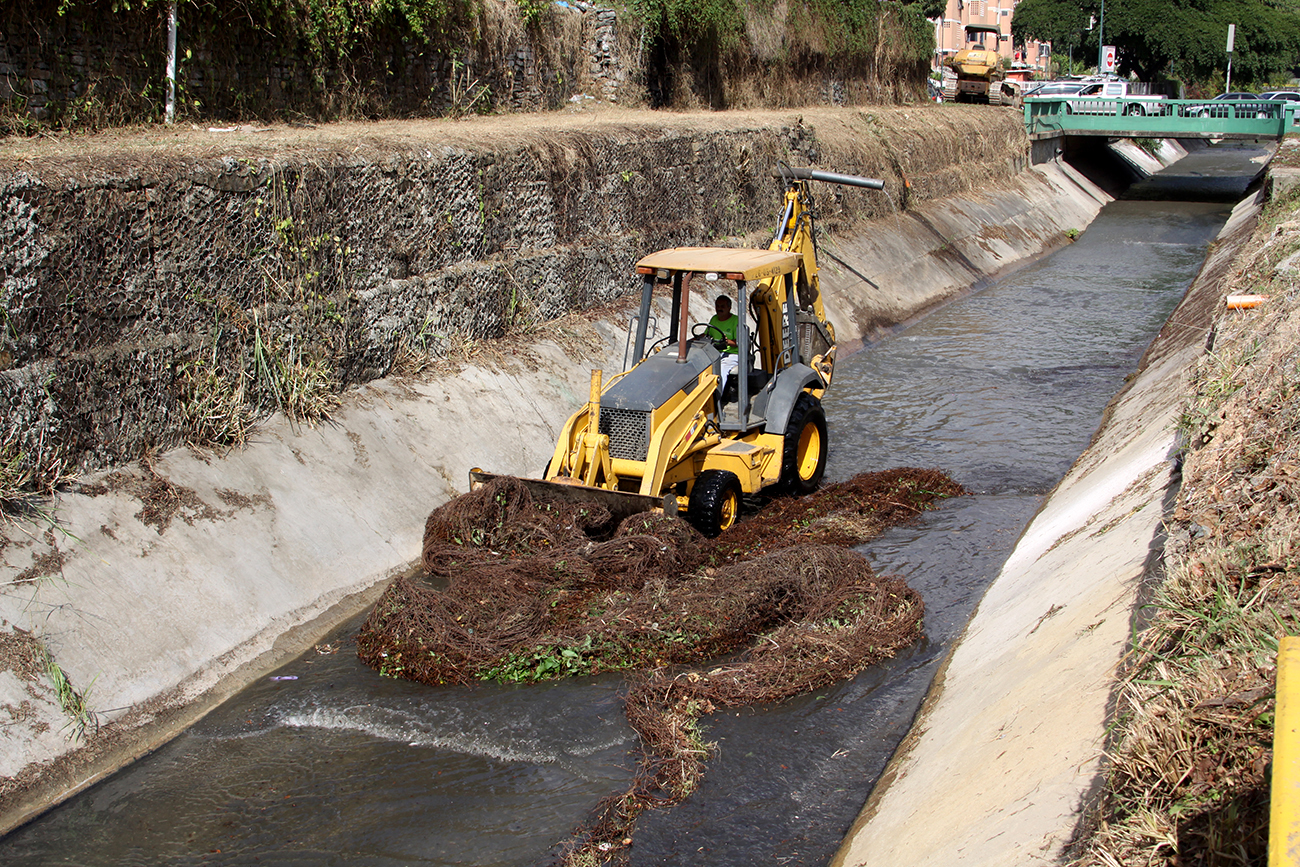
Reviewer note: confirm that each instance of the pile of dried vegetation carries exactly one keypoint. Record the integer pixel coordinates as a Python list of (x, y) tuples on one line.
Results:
[(1189, 780), (520, 589)]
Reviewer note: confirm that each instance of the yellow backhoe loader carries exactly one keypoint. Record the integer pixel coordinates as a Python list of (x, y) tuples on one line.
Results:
[(668, 432)]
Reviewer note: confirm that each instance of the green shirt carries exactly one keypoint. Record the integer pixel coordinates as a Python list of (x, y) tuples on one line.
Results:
[(728, 327)]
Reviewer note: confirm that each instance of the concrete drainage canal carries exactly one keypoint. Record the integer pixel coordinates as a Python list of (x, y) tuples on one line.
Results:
[(327, 762)]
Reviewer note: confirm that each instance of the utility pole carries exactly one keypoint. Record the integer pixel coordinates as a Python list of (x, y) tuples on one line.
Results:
[(1101, 37)]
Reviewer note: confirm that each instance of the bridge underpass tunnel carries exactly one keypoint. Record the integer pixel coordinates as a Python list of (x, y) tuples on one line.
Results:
[(1200, 179), (1094, 158)]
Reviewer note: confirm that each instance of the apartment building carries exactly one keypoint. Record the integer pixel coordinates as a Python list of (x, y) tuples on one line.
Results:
[(950, 33)]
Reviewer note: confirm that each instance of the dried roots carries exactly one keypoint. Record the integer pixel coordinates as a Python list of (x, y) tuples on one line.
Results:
[(521, 590)]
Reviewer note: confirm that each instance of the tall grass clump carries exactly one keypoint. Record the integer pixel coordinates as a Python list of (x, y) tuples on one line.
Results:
[(81, 719), (271, 372), (27, 472)]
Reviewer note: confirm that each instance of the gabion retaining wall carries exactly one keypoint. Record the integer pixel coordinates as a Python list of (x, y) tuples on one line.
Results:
[(119, 285)]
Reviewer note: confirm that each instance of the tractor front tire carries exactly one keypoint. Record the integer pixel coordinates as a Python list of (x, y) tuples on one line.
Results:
[(804, 460), (715, 502)]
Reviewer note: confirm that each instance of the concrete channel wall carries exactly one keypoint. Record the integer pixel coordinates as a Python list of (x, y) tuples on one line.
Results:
[(161, 586), (1010, 740)]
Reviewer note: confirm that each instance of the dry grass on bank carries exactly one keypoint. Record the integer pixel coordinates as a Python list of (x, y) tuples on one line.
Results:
[(1192, 743), (925, 131)]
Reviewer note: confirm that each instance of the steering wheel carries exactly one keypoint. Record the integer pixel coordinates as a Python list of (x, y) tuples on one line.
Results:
[(700, 330)]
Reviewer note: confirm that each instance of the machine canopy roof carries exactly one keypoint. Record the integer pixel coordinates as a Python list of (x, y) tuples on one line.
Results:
[(734, 263)]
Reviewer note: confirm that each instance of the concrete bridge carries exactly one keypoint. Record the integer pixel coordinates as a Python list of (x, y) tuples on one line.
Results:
[(1050, 121)]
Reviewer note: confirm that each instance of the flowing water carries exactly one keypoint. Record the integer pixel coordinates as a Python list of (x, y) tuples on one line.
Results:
[(327, 763)]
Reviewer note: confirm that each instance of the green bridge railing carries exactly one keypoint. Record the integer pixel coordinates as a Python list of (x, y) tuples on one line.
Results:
[(1165, 118)]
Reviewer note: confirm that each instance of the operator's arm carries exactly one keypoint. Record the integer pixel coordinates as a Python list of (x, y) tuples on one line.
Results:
[(727, 329)]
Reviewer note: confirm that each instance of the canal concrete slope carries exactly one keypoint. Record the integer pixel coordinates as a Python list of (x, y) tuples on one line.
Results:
[(1001, 759), (936, 250), (161, 586)]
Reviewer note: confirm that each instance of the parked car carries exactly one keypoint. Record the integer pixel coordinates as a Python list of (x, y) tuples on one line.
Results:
[(1237, 103), (1285, 95), (1055, 88)]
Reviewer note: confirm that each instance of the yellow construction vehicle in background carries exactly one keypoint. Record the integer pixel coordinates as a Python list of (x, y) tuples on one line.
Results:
[(668, 433), (978, 65)]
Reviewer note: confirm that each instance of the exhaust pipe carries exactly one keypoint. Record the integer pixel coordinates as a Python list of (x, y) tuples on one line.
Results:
[(787, 173)]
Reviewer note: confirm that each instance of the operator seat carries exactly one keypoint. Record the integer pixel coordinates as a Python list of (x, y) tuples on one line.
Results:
[(757, 379)]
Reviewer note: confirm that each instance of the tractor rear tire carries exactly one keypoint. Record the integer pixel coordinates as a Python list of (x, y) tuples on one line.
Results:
[(715, 502), (804, 460)]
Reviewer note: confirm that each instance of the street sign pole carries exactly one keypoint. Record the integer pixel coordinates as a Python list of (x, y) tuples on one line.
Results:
[(1232, 31)]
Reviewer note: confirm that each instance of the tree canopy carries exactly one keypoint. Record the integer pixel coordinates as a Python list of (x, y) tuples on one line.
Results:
[(1184, 40), (936, 8)]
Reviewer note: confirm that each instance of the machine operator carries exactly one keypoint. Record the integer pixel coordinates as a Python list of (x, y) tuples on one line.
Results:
[(726, 324)]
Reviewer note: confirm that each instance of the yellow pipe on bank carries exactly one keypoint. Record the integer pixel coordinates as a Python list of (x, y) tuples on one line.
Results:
[(1284, 798)]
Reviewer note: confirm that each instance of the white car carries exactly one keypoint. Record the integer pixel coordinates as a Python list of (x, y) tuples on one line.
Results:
[(1056, 88), (1113, 97)]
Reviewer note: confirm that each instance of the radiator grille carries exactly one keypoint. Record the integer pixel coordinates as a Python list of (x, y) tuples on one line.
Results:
[(811, 340), (628, 431)]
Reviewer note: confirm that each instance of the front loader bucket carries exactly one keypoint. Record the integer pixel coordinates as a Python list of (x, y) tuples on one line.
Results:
[(620, 504)]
